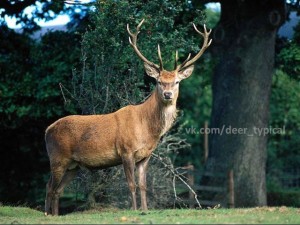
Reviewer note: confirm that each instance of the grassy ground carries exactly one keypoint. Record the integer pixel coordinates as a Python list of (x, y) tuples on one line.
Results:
[(273, 215)]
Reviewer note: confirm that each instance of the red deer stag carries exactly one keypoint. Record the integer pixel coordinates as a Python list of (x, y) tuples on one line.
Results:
[(127, 136)]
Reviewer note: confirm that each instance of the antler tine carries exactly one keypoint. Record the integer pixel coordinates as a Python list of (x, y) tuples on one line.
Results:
[(199, 32), (182, 65), (159, 57), (132, 35), (133, 43), (176, 59), (205, 45)]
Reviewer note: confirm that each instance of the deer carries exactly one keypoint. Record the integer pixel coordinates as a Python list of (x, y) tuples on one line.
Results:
[(127, 136)]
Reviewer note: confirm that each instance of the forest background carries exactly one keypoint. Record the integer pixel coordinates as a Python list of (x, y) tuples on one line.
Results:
[(89, 68)]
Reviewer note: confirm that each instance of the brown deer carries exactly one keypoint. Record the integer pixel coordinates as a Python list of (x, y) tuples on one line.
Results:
[(127, 136)]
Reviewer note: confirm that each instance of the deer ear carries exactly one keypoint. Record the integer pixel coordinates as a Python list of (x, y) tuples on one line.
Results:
[(151, 71), (183, 74)]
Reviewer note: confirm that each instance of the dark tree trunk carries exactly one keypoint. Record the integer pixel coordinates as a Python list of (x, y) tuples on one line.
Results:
[(244, 43)]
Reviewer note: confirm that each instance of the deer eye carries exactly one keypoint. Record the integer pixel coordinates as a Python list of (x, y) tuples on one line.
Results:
[(159, 82), (177, 82)]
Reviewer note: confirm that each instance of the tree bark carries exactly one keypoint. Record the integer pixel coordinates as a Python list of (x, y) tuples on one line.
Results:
[(244, 46)]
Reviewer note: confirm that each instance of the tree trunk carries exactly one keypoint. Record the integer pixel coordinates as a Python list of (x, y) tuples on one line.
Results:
[(244, 45)]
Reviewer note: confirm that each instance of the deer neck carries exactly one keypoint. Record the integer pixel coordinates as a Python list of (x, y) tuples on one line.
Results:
[(160, 115)]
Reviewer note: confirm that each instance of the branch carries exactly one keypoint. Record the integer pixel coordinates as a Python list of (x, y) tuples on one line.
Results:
[(177, 175)]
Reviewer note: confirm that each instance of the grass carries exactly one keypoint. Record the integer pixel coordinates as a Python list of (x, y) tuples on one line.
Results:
[(265, 215)]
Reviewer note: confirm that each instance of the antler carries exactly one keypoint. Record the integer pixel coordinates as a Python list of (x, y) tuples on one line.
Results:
[(133, 40), (206, 44)]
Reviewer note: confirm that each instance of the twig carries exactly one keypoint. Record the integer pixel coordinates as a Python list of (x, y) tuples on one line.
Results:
[(174, 190), (175, 173), (63, 94), (62, 88), (106, 99)]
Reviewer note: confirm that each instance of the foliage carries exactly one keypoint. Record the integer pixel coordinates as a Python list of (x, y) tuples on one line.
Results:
[(30, 100), (265, 215), (212, 17), (40, 66), (288, 58), (284, 114), (14, 84), (283, 148), (284, 197)]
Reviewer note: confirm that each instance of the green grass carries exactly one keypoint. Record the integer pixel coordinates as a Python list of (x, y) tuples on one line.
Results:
[(273, 215)]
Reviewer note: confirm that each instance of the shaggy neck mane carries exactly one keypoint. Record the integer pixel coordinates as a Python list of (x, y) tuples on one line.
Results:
[(160, 116)]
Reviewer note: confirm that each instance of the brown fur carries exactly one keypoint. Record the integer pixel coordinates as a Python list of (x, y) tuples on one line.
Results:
[(168, 76), (101, 140)]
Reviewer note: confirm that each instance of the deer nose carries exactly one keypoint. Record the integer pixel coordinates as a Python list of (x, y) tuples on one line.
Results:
[(167, 95)]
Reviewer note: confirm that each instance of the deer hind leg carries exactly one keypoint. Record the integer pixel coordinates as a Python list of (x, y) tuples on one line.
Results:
[(48, 199), (129, 166), (142, 168), (59, 178), (52, 198), (67, 178)]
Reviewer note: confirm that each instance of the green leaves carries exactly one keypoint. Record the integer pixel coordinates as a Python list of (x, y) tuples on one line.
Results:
[(288, 58), (283, 149), (30, 73)]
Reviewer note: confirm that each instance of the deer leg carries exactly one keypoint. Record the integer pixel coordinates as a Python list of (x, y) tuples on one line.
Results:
[(48, 199), (57, 177), (129, 164), (142, 168), (67, 178)]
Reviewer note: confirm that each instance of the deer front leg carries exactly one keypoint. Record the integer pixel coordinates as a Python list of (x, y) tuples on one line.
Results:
[(142, 169), (129, 165)]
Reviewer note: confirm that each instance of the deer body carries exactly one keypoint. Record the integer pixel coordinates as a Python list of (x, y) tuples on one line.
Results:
[(100, 141), (127, 136)]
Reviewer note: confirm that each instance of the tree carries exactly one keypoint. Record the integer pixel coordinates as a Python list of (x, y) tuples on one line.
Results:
[(244, 45)]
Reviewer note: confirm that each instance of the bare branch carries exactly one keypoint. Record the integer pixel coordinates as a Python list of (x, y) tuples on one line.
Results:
[(175, 173)]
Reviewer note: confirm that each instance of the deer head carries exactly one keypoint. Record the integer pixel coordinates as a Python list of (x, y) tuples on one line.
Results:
[(168, 81)]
